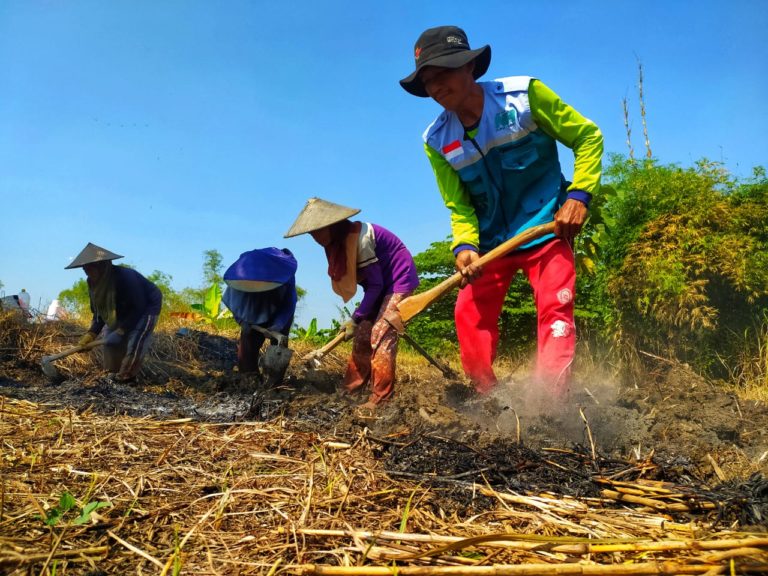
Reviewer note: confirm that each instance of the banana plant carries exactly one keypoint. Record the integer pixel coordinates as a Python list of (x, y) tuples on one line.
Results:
[(209, 309)]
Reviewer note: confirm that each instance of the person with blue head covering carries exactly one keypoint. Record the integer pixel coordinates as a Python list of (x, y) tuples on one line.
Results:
[(261, 292)]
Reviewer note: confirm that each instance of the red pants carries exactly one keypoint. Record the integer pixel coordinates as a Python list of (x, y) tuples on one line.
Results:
[(374, 354), (550, 269)]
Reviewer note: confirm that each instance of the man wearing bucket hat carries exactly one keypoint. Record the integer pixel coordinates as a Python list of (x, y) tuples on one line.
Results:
[(373, 257), (493, 150), (261, 293), (124, 304)]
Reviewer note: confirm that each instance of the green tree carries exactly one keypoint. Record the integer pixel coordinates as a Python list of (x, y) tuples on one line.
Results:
[(212, 267), (686, 265), (76, 299), (434, 328), (212, 260), (173, 301)]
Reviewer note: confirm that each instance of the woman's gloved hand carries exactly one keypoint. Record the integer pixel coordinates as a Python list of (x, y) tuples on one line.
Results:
[(114, 338), (349, 327), (86, 339)]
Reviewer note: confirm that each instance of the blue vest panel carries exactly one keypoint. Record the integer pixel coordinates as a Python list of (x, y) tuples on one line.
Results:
[(510, 167)]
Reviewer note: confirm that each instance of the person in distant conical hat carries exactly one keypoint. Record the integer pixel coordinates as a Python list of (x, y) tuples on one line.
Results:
[(373, 257), (90, 255), (261, 291), (125, 305)]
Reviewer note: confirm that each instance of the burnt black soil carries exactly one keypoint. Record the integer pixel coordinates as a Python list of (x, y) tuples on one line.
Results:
[(674, 427)]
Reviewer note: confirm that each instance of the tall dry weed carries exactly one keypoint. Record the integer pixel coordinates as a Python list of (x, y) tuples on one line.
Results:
[(750, 371)]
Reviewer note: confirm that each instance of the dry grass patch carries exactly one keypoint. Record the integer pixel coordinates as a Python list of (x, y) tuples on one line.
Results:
[(180, 497)]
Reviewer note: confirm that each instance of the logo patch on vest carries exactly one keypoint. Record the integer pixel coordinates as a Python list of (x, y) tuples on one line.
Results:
[(452, 150), (506, 119)]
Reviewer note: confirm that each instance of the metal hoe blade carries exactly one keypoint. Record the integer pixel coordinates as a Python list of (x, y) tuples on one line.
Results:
[(46, 363), (49, 369), (274, 363), (313, 360)]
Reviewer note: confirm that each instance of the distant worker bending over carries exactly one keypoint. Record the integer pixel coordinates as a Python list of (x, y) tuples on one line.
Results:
[(125, 305), (261, 293), (373, 257)]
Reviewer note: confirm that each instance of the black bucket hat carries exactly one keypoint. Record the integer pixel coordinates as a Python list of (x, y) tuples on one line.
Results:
[(447, 47)]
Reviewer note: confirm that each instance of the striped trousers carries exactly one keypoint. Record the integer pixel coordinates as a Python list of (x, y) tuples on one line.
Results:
[(126, 358)]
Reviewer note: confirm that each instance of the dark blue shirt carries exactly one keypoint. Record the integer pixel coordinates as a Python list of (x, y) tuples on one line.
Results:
[(135, 296)]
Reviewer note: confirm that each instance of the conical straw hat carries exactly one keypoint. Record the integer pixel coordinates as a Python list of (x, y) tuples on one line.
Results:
[(90, 254), (319, 213)]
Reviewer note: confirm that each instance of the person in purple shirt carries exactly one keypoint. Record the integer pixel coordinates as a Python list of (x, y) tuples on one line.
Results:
[(369, 255), (124, 304)]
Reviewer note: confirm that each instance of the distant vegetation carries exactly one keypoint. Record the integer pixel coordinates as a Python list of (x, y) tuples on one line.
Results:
[(684, 267)]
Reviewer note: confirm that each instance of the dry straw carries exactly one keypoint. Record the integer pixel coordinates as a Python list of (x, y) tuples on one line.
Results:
[(184, 497), (259, 498)]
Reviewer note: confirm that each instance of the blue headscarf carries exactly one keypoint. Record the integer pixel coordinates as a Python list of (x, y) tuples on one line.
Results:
[(262, 288), (261, 269)]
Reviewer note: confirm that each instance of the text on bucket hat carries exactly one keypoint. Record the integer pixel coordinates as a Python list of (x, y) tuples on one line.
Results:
[(446, 47)]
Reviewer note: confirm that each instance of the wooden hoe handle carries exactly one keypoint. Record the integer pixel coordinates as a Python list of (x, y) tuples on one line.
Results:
[(317, 354), (74, 349), (412, 305), (267, 333)]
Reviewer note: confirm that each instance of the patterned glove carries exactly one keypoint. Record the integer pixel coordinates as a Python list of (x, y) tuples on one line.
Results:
[(349, 327)]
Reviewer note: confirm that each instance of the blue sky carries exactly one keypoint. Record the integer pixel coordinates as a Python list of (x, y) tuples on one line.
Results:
[(159, 130)]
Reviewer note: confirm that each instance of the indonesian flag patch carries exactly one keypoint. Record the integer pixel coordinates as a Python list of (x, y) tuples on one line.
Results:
[(452, 150)]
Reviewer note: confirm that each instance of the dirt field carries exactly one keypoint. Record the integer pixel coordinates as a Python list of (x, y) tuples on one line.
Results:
[(675, 416), (673, 428)]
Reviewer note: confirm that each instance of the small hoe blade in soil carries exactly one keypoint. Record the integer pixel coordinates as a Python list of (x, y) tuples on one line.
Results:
[(313, 359), (46, 363)]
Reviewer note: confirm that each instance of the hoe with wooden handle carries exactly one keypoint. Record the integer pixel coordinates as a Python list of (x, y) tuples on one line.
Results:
[(412, 305), (47, 361), (276, 358), (313, 358)]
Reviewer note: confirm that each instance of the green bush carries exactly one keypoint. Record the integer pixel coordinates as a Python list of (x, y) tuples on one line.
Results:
[(76, 300), (686, 261), (672, 261)]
